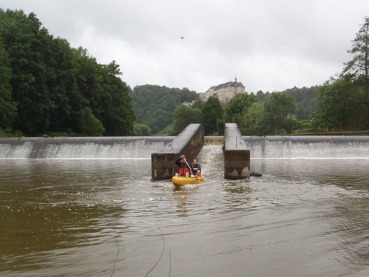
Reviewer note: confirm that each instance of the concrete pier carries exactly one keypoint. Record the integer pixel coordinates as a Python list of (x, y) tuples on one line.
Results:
[(236, 156), (189, 142)]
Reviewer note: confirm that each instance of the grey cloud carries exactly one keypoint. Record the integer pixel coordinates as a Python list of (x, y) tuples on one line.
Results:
[(270, 45)]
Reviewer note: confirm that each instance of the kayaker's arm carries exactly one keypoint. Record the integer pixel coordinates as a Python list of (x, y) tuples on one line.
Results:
[(178, 162)]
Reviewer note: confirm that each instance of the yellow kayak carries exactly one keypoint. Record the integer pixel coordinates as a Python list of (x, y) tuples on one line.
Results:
[(181, 181)]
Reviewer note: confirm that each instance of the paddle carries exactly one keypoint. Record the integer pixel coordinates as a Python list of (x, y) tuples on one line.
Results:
[(190, 168)]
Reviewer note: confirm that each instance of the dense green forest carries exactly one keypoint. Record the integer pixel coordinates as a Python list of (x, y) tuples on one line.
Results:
[(48, 87), (159, 110), (154, 105)]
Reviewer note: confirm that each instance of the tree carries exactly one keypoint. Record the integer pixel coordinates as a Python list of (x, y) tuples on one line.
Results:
[(235, 109), (184, 115), (260, 95), (358, 67), (62, 82), (46, 85), (340, 106), (252, 120), (279, 108), (117, 114), (90, 125), (305, 99), (7, 106), (154, 105), (142, 129), (113, 68), (197, 104), (211, 116), (100, 88), (26, 40)]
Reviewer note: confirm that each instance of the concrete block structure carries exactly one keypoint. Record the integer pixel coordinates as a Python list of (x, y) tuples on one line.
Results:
[(236, 155), (189, 142)]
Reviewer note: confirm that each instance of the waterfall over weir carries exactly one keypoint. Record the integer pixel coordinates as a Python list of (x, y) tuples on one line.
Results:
[(308, 147), (81, 147), (269, 147)]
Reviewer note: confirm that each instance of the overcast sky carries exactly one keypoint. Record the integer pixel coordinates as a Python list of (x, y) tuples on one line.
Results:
[(269, 45)]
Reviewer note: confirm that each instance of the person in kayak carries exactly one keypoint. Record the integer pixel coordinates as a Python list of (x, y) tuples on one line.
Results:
[(196, 167), (185, 169)]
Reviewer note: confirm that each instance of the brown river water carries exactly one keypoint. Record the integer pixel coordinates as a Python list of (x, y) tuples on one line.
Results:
[(308, 215)]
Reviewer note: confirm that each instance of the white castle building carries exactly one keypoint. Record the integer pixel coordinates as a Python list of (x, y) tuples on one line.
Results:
[(224, 92)]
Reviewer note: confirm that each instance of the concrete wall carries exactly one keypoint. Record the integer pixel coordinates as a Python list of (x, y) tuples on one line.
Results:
[(189, 142), (236, 155)]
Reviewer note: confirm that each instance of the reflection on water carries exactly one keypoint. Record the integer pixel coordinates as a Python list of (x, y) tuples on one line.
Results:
[(108, 218)]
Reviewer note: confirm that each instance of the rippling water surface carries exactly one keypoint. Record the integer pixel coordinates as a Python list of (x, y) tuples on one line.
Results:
[(106, 217)]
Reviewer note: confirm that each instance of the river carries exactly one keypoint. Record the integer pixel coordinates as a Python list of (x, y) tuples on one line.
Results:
[(308, 215)]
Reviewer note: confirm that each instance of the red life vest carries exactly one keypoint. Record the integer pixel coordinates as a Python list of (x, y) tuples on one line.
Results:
[(183, 170)]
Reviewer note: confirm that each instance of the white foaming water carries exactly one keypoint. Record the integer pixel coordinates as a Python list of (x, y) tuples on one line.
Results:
[(82, 148), (345, 147), (301, 148)]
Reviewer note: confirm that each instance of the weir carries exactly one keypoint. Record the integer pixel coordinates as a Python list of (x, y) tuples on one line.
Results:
[(189, 142), (141, 147), (308, 147), (236, 155), (80, 147)]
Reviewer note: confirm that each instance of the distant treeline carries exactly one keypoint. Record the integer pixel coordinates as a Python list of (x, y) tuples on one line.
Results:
[(159, 109), (47, 87)]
